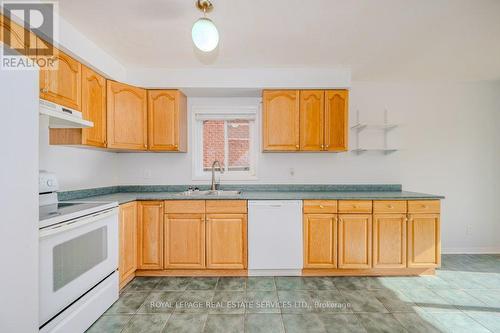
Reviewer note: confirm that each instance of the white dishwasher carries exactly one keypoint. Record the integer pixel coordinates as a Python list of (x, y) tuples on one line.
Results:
[(275, 237)]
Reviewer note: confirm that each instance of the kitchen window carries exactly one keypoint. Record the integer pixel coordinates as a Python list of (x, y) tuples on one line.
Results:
[(228, 136)]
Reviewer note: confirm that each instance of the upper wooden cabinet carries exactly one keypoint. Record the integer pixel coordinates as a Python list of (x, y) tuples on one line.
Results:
[(150, 235), (226, 241), (320, 241), (127, 116), (424, 240), (280, 120), (62, 85), (13, 35), (336, 120), (93, 109), (167, 120), (305, 120), (312, 103), (127, 242)]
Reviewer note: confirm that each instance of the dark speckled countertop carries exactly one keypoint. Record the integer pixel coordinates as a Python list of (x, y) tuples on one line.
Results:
[(124, 194)]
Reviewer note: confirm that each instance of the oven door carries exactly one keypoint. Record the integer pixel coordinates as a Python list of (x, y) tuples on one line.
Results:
[(74, 257)]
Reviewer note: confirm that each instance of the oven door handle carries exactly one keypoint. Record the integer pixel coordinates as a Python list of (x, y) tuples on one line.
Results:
[(76, 223)]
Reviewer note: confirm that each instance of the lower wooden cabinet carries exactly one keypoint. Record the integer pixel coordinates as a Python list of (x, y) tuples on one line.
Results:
[(389, 240), (355, 241), (150, 235), (320, 240), (184, 241), (127, 242), (424, 241), (226, 241)]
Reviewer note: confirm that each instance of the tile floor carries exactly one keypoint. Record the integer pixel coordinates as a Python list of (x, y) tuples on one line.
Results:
[(464, 296)]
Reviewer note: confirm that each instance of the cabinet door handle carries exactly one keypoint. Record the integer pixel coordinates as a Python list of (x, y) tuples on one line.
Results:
[(327, 146), (297, 146)]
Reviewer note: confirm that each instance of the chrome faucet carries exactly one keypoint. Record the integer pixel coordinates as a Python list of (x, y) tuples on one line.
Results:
[(214, 186)]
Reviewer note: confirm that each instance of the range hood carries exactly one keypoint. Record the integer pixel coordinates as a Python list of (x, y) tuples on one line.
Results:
[(63, 117)]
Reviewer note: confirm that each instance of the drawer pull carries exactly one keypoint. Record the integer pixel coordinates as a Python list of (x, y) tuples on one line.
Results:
[(390, 206), (423, 206), (354, 206), (321, 206)]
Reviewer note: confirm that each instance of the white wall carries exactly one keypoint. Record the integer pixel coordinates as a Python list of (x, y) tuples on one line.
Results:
[(450, 147), (19, 201), (76, 168)]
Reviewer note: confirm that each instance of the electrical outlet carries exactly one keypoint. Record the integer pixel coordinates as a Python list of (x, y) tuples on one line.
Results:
[(147, 174), (468, 229)]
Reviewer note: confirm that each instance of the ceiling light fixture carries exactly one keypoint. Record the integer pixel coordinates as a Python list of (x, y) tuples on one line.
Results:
[(204, 33)]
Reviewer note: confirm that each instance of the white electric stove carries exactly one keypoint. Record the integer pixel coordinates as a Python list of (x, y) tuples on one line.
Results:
[(78, 259)]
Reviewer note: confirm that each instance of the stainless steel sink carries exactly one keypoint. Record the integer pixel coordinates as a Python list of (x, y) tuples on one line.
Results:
[(219, 193)]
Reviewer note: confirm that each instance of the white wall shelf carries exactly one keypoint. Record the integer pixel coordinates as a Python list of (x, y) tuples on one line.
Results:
[(381, 150), (384, 127)]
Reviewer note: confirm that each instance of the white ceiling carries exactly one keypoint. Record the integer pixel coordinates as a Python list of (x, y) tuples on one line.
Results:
[(377, 39)]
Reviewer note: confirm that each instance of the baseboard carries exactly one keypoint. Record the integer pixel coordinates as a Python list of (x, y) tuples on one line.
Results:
[(471, 250), (274, 272)]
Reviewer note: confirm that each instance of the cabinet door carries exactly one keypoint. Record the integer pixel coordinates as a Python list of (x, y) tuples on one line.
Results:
[(184, 241), (167, 120), (355, 241), (389, 240), (94, 107), (320, 241), (424, 240), (128, 242), (13, 35), (280, 121), (62, 85), (150, 235), (127, 116), (227, 241), (312, 105), (336, 120)]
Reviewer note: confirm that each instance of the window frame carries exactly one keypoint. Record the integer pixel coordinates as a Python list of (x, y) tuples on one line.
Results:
[(201, 113)]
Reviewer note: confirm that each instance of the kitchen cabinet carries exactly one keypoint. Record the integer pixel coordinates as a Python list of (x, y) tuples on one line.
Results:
[(13, 35), (93, 109), (336, 120), (312, 103), (355, 241), (167, 120), (184, 241), (280, 120), (305, 120), (126, 117), (389, 240), (62, 85), (150, 235), (226, 241), (127, 242), (424, 240), (203, 234), (320, 240)]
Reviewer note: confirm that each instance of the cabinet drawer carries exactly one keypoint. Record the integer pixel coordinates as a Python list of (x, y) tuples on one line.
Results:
[(355, 206), (384, 206), (320, 206), (423, 206), (185, 206), (226, 206)]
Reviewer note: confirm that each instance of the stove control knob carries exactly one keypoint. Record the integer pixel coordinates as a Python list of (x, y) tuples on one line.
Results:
[(50, 183)]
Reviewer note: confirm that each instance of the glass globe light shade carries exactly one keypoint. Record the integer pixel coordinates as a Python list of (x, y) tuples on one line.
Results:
[(205, 35)]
